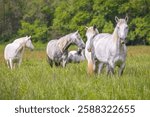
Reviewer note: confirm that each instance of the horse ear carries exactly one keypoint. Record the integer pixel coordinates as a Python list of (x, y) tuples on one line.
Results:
[(29, 37), (126, 18), (116, 19)]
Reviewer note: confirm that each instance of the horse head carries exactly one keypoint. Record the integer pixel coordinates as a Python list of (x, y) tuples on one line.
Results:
[(90, 34), (122, 28), (29, 43), (76, 38)]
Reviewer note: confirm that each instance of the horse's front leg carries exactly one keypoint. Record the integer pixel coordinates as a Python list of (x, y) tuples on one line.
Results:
[(8, 64), (111, 67), (20, 61), (100, 67), (121, 69), (64, 59), (50, 61), (96, 66), (11, 63), (95, 62)]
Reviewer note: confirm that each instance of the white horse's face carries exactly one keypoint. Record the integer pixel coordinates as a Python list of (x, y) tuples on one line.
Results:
[(29, 44), (78, 40), (90, 33), (122, 29)]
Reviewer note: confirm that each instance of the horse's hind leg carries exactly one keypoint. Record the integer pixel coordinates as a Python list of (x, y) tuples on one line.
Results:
[(121, 69), (19, 63), (107, 69)]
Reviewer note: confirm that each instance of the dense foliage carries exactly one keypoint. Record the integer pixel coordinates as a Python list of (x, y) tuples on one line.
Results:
[(48, 19)]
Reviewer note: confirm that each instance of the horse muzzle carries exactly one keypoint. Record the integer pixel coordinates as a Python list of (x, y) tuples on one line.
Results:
[(122, 41)]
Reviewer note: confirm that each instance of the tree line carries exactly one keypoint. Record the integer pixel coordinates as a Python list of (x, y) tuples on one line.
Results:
[(50, 19)]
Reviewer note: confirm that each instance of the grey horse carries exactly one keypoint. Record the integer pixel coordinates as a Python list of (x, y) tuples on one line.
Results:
[(57, 50)]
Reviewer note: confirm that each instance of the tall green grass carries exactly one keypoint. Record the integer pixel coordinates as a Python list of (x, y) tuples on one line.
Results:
[(36, 80)]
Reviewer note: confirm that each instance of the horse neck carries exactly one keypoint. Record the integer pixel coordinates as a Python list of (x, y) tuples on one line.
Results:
[(116, 40), (89, 40), (21, 48)]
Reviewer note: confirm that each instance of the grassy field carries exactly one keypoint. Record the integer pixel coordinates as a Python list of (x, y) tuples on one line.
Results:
[(36, 80)]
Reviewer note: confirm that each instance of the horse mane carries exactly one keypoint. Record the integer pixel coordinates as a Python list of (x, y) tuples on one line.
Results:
[(121, 21), (22, 42), (64, 42), (20, 48), (19, 40)]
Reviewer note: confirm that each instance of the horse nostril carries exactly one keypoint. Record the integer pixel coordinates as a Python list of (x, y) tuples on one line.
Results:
[(122, 42)]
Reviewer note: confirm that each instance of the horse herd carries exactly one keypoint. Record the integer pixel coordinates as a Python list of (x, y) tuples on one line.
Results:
[(100, 49)]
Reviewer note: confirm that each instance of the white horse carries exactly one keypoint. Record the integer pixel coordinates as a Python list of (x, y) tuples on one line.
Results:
[(90, 34), (57, 50), (13, 52), (76, 56), (110, 49)]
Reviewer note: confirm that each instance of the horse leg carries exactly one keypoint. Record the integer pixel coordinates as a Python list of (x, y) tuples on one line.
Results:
[(121, 69), (111, 68), (96, 66), (8, 64), (100, 67), (19, 63), (107, 69), (11, 63), (50, 61), (15, 64), (64, 58), (64, 63)]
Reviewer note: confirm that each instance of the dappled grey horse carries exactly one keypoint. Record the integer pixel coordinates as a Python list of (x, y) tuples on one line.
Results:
[(57, 50), (110, 49), (13, 52)]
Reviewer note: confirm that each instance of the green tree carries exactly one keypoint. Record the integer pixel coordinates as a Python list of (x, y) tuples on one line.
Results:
[(37, 30)]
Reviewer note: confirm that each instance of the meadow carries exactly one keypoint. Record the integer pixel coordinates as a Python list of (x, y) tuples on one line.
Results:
[(36, 80)]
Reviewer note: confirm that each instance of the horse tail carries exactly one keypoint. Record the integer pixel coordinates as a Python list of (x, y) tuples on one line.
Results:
[(90, 67)]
